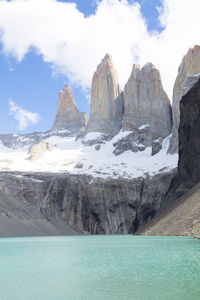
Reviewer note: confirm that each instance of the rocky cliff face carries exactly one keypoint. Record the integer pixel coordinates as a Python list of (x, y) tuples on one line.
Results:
[(68, 116), (190, 65), (181, 209), (146, 103), (106, 99), (188, 174), (82, 203), (189, 139)]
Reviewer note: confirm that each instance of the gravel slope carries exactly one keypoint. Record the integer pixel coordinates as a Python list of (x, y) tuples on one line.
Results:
[(181, 218)]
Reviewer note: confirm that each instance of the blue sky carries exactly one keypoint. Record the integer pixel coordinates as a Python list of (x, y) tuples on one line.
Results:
[(33, 84)]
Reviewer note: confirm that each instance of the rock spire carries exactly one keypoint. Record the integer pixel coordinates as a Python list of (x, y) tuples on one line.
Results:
[(68, 116), (106, 98), (146, 103)]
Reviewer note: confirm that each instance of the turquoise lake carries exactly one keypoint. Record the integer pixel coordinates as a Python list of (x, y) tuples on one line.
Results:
[(99, 267)]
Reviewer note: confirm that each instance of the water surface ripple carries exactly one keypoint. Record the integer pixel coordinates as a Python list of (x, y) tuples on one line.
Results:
[(99, 267)]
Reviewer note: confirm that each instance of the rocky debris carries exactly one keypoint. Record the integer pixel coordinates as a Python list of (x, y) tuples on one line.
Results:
[(182, 217), (134, 141), (98, 140), (68, 116), (98, 147), (145, 102), (156, 146), (190, 65), (196, 229), (87, 204), (106, 99), (37, 151), (79, 165)]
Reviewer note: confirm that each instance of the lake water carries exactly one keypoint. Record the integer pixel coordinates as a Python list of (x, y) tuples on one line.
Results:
[(99, 267)]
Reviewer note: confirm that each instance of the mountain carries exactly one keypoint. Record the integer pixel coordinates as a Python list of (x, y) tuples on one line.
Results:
[(106, 99), (189, 66), (68, 116), (146, 103), (110, 175)]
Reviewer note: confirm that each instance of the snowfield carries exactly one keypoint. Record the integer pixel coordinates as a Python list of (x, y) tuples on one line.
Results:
[(75, 157)]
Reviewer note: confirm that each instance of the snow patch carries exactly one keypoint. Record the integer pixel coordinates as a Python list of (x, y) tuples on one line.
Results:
[(144, 126), (92, 136), (68, 153)]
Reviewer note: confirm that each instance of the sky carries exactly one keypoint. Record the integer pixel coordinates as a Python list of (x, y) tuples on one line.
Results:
[(45, 44)]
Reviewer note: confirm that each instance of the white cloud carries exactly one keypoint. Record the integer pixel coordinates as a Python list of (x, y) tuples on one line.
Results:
[(75, 44), (24, 117)]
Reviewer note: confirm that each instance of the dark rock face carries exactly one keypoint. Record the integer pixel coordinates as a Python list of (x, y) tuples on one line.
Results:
[(189, 66), (189, 139), (188, 173), (86, 204)]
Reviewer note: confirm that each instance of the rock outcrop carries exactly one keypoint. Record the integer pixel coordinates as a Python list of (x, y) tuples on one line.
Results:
[(37, 151), (146, 103), (83, 203), (68, 116), (106, 99), (190, 65), (135, 141)]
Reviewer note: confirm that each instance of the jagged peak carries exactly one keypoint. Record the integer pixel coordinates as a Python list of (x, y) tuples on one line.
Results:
[(106, 66), (136, 67), (189, 56), (107, 57), (195, 48), (106, 62), (66, 95), (67, 90), (148, 66)]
